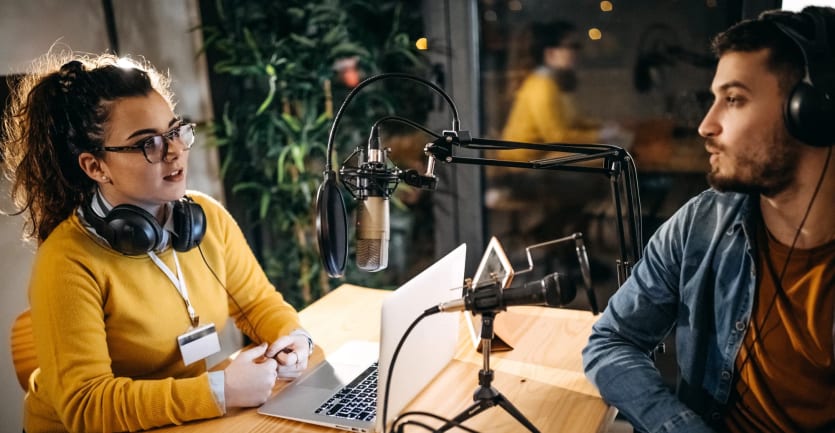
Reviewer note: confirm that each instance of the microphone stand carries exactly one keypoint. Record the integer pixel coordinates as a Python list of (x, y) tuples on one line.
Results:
[(486, 396)]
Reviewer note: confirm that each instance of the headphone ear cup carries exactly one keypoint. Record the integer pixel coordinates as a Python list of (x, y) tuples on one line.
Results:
[(131, 230), (809, 114), (189, 224)]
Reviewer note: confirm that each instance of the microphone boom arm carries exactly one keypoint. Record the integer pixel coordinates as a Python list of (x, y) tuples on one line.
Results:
[(615, 163)]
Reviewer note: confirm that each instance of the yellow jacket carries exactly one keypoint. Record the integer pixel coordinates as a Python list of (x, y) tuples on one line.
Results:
[(106, 327), (543, 113)]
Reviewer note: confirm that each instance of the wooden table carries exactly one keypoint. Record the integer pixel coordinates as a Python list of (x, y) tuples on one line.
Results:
[(542, 376)]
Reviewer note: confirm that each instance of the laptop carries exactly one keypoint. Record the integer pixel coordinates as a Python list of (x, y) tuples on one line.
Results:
[(326, 394)]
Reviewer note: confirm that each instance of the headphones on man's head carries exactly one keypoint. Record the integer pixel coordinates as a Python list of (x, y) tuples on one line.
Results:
[(132, 230), (809, 111)]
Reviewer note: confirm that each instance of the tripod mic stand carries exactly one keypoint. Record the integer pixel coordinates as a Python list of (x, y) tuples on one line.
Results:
[(485, 395)]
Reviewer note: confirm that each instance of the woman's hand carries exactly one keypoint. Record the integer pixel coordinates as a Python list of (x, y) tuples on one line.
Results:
[(291, 352), (249, 378)]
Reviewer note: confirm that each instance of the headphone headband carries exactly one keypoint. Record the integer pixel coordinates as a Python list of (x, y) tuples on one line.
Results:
[(817, 56), (809, 110)]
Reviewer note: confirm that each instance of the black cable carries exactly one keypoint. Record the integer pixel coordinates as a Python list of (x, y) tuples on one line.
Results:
[(423, 315), (778, 283), (411, 123), (639, 224), (428, 312), (246, 318), (402, 428), (432, 415), (332, 135)]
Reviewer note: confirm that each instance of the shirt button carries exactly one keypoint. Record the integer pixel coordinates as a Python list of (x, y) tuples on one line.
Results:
[(726, 375), (740, 326)]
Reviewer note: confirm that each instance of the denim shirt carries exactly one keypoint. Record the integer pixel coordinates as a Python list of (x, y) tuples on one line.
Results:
[(697, 278)]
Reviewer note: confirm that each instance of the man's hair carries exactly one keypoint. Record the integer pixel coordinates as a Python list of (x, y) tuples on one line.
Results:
[(548, 35), (785, 57)]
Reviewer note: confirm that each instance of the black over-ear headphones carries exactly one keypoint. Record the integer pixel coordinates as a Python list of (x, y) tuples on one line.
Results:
[(809, 111), (131, 230)]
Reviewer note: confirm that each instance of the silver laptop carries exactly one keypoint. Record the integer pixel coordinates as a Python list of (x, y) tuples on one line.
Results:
[(343, 391)]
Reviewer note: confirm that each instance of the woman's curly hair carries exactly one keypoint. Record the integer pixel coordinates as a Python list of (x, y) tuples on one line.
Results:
[(55, 113)]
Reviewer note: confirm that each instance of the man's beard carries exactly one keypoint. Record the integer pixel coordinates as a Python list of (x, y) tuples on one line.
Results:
[(757, 176), (566, 79)]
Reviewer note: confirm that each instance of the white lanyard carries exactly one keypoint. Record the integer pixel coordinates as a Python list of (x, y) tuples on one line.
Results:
[(179, 283)]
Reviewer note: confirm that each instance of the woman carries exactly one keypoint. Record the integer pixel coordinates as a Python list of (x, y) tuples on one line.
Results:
[(132, 277)]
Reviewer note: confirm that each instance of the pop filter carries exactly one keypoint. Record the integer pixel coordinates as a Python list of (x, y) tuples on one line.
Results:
[(331, 226)]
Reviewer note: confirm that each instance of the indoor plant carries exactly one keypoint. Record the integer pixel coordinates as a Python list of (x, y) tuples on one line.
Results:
[(278, 69)]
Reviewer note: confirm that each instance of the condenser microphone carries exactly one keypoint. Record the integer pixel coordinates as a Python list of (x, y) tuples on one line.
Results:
[(373, 233), (554, 290), (372, 229)]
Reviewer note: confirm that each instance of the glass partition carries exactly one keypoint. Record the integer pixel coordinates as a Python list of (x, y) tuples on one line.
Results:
[(631, 73)]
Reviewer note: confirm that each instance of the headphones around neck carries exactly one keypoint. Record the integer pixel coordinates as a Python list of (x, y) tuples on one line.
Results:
[(132, 230), (809, 111)]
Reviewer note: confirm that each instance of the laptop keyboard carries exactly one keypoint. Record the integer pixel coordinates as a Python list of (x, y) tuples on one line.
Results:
[(356, 400)]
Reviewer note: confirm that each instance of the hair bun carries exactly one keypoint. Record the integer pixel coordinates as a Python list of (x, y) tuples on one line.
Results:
[(68, 73)]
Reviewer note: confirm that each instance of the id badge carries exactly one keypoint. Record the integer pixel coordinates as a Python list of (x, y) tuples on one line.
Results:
[(198, 343)]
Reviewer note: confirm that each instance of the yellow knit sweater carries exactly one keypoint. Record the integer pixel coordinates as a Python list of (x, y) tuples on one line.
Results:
[(106, 327), (543, 113)]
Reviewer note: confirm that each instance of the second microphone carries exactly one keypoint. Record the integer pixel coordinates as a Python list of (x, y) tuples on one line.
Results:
[(554, 290)]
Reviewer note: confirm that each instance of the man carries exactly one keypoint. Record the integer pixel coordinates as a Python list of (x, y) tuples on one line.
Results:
[(744, 272), (544, 110)]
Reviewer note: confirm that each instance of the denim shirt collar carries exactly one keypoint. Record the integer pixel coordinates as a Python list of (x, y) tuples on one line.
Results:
[(748, 219)]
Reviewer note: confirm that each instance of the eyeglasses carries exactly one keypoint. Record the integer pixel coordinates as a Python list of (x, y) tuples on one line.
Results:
[(155, 148)]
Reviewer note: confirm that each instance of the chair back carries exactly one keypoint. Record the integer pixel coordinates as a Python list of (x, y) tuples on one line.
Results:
[(24, 358)]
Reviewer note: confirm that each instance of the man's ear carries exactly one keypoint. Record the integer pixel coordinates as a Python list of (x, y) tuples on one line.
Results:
[(94, 167)]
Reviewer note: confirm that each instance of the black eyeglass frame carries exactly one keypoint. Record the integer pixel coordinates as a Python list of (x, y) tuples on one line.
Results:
[(167, 137)]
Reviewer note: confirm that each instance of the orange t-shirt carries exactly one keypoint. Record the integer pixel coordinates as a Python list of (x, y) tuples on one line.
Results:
[(786, 366)]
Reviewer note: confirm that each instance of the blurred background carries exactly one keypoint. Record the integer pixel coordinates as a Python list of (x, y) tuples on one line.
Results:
[(263, 79)]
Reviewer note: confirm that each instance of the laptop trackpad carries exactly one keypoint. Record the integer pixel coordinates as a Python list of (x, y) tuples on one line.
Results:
[(326, 376), (343, 366)]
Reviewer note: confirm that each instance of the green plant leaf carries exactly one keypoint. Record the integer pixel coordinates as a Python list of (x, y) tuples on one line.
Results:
[(334, 35), (271, 94), (298, 153), (272, 61), (282, 157), (252, 44), (292, 122), (305, 42), (322, 120), (282, 125), (347, 49), (295, 13), (265, 205)]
